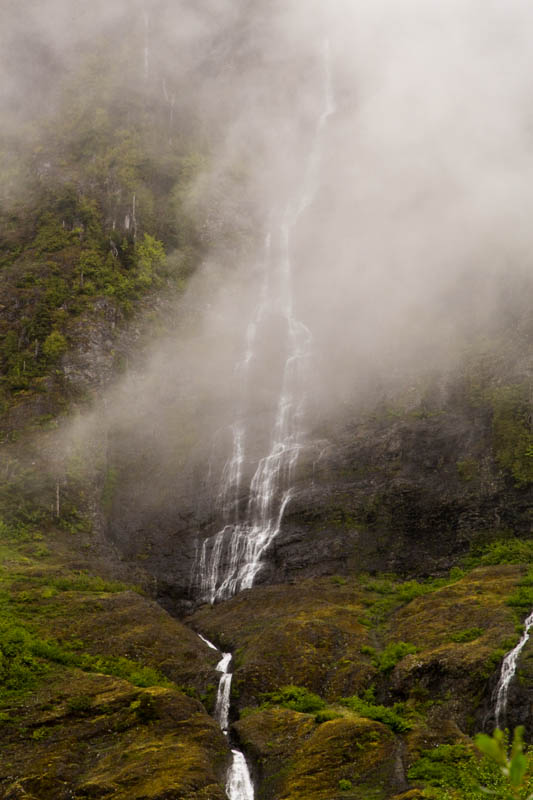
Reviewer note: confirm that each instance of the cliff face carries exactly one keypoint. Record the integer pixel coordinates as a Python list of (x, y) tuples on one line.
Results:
[(409, 490), (367, 652)]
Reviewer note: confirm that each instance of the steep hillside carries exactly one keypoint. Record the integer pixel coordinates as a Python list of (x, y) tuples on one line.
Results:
[(197, 352)]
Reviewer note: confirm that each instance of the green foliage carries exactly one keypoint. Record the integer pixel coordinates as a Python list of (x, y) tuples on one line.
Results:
[(297, 698), (501, 551), (512, 434), (83, 582), (338, 580), (522, 598), (19, 669), (468, 635), (394, 717), (51, 235), (442, 766), (144, 708), (54, 346), (79, 704), (208, 698), (391, 593), (393, 652), (455, 771), (326, 715), (345, 785), (514, 764), (119, 666), (149, 258)]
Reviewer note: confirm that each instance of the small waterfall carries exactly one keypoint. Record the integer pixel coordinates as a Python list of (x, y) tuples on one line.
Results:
[(223, 694), (230, 561), (507, 674), (239, 784)]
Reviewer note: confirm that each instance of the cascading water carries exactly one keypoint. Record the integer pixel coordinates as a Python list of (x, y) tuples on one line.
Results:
[(509, 665), (230, 561), (239, 784)]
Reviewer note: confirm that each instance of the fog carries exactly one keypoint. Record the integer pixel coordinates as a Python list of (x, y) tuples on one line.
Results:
[(422, 178)]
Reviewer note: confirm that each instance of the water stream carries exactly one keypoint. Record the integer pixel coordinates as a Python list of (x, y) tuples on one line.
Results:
[(239, 784), (230, 560), (508, 670)]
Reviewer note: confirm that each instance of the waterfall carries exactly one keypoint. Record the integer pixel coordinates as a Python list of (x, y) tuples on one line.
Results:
[(509, 665), (229, 561), (223, 694), (239, 784)]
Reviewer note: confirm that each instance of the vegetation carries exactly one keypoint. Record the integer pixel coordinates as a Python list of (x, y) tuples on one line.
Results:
[(297, 698), (513, 437), (395, 717), (512, 550), (388, 592), (456, 771), (468, 635)]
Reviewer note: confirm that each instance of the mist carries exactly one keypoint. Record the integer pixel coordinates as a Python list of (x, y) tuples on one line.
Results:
[(418, 222)]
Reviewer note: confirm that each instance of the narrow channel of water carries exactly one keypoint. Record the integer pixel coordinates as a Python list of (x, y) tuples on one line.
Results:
[(239, 784), (508, 671)]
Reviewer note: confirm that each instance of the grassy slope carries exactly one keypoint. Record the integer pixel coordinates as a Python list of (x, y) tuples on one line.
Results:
[(101, 689)]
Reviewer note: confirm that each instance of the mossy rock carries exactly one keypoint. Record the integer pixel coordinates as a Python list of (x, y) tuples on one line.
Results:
[(308, 634), (298, 759), (111, 750)]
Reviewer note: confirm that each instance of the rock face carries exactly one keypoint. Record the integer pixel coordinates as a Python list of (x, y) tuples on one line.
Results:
[(101, 737), (409, 492), (301, 760), (429, 652)]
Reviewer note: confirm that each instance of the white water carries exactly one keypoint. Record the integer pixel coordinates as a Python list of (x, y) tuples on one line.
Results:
[(230, 561), (223, 694), (507, 674), (239, 784)]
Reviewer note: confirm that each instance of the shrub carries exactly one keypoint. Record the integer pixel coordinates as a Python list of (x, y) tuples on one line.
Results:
[(502, 551), (393, 717), (297, 698), (54, 346), (468, 635), (326, 716), (440, 766), (394, 652), (79, 704)]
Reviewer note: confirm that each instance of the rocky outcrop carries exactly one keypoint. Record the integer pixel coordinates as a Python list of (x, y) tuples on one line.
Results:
[(410, 492)]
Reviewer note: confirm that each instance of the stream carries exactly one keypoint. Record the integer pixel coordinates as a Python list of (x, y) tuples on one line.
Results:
[(239, 784)]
